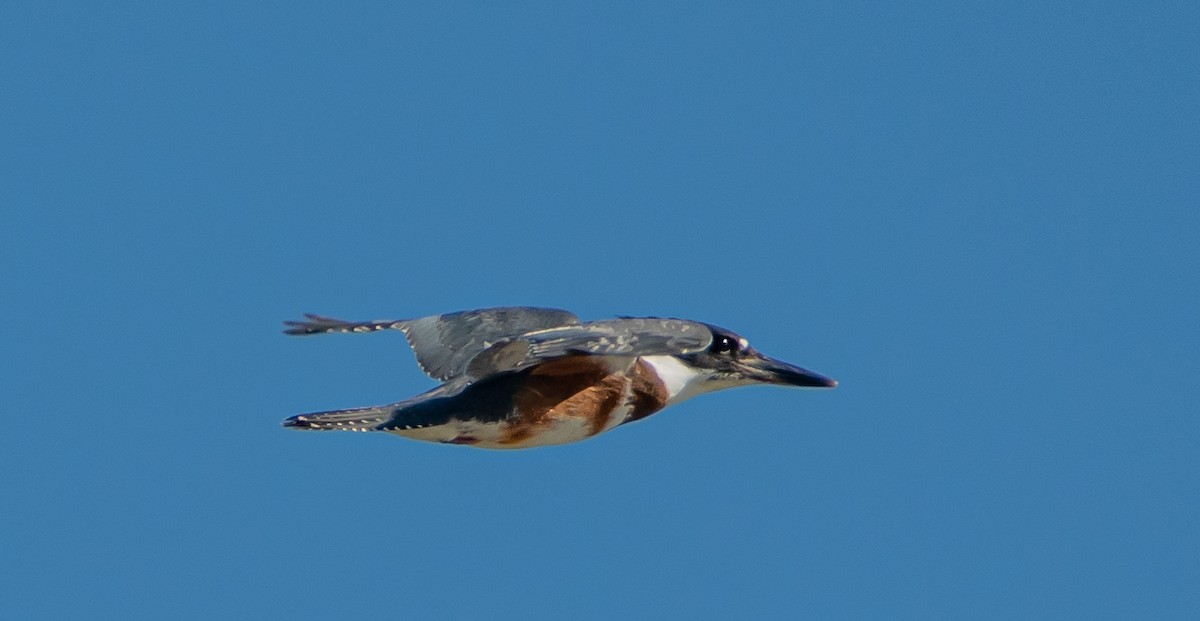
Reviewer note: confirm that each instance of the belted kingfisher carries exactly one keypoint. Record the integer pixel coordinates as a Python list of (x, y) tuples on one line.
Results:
[(519, 377)]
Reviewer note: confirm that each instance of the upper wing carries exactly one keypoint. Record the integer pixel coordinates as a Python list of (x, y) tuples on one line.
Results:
[(617, 337), (444, 344)]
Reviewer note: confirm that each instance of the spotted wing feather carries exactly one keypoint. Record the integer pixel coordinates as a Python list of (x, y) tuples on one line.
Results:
[(320, 324)]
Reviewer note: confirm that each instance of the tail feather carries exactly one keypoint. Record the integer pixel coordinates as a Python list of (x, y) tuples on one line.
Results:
[(356, 419)]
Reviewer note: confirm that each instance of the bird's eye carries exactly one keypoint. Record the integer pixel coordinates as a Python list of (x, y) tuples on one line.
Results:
[(723, 344)]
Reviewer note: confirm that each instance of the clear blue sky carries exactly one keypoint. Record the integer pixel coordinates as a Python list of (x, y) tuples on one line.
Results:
[(981, 219)]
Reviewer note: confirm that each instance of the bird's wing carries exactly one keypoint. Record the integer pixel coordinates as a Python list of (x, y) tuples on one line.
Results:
[(618, 337), (444, 344)]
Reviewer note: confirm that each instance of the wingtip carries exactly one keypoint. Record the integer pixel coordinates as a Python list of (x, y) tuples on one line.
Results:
[(296, 421), (311, 324)]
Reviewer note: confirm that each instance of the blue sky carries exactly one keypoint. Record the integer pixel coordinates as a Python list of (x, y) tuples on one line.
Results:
[(980, 218)]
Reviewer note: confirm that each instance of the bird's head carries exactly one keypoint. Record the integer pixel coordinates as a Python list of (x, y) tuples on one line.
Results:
[(730, 361)]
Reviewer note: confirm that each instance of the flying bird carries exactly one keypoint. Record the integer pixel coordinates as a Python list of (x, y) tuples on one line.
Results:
[(520, 377)]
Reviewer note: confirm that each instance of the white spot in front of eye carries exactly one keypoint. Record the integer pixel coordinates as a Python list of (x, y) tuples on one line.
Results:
[(743, 343)]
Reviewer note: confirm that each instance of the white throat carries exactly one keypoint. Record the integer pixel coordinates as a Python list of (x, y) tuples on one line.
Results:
[(682, 382)]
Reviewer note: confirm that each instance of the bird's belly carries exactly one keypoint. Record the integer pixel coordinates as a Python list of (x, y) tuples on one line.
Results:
[(564, 400), (517, 433), (560, 430)]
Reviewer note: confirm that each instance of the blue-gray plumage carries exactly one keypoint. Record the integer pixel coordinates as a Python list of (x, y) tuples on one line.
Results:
[(518, 377)]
